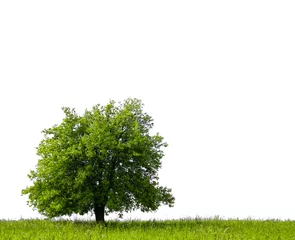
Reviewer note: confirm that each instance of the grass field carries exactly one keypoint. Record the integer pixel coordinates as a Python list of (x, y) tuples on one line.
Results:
[(172, 229)]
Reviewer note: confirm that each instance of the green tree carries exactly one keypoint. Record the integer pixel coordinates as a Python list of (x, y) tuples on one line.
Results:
[(103, 161)]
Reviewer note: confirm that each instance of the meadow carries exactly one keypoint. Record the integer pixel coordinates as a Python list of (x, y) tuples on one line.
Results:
[(198, 228)]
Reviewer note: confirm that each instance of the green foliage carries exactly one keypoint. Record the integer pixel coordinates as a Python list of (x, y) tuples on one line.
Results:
[(105, 160), (208, 229)]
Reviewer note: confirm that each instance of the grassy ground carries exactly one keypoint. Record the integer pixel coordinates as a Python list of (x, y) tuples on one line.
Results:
[(173, 229)]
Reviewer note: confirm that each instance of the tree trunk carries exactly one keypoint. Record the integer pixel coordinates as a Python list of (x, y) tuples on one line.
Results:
[(99, 213)]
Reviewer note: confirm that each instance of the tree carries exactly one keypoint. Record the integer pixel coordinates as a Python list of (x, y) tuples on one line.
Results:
[(103, 161)]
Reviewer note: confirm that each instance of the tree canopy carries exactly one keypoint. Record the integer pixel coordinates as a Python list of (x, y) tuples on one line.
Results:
[(103, 161)]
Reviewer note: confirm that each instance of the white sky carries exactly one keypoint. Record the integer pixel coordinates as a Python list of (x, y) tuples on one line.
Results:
[(217, 77)]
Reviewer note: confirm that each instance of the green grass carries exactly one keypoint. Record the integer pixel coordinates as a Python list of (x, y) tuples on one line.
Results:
[(172, 229)]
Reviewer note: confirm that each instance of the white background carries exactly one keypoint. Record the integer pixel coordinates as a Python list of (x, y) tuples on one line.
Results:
[(216, 76)]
